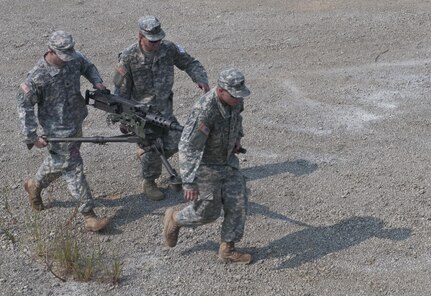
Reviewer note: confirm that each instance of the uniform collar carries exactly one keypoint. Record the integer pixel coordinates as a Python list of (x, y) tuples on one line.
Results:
[(156, 55), (52, 70), (225, 110)]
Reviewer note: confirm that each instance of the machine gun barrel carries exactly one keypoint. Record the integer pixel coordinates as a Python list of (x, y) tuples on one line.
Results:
[(163, 122)]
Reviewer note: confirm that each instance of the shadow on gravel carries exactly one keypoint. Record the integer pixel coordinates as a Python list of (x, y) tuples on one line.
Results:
[(257, 209), (210, 245), (312, 243), (298, 168), (134, 207), (130, 207), (60, 204)]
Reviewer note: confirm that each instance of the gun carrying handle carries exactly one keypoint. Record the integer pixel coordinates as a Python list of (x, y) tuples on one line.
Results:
[(91, 94)]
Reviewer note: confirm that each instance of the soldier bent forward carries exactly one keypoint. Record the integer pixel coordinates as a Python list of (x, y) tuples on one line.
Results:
[(54, 86), (210, 169)]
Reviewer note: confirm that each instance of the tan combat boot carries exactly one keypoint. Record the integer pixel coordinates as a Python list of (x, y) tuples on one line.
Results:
[(228, 254), (171, 229), (93, 223), (151, 190), (34, 194)]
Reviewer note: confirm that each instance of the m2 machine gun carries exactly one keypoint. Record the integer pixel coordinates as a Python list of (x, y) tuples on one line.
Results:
[(138, 122)]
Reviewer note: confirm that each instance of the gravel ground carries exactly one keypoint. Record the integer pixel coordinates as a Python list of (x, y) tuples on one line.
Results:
[(337, 133)]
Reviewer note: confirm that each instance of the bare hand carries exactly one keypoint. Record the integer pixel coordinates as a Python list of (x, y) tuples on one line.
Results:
[(40, 143), (191, 194), (204, 86), (100, 86)]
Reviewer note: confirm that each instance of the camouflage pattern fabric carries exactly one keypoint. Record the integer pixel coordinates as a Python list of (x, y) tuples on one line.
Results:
[(65, 160), (209, 136), (62, 44), (57, 93), (61, 111), (151, 28), (233, 81), (220, 187), (148, 78), (207, 161)]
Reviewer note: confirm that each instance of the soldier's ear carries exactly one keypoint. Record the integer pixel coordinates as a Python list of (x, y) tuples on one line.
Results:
[(219, 90)]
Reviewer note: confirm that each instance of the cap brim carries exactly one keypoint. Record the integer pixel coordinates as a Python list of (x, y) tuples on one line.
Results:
[(66, 55), (154, 37), (239, 93)]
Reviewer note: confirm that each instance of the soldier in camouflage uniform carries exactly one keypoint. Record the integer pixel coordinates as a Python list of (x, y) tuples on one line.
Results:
[(54, 86), (145, 73), (210, 169)]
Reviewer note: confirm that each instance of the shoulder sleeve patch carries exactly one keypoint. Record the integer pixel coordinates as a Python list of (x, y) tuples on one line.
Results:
[(204, 129), (199, 136), (180, 48), (24, 88)]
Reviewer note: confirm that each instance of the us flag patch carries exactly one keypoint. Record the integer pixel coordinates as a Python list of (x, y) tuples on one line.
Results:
[(204, 129), (121, 70), (24, 87)]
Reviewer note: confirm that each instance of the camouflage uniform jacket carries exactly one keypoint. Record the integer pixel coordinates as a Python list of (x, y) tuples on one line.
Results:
[(149, 78), (209, 136), (57, 93)]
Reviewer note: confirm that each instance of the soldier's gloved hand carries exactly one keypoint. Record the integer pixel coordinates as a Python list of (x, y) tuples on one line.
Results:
[(124, 129), (237, 146)]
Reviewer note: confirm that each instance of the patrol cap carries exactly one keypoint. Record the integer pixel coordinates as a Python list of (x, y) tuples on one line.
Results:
[(233, 81), (150, 27), (62, 44)]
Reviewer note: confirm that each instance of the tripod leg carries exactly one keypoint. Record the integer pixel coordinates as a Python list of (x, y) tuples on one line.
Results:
[(175, 181)]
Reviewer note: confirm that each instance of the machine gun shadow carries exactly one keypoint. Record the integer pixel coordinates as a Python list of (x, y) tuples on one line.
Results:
[(139, 123)]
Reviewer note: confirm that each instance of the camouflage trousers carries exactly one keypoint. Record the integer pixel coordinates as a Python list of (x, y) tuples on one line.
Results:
[(65, 160), (151, 162), (220, 187)]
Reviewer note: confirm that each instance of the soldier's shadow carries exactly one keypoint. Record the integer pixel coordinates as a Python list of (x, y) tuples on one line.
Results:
[(133, 207), (257, 209), (129, 208), (312, 243), (298, 168)]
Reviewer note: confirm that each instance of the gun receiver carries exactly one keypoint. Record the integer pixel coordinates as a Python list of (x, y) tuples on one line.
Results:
[(131, 111)]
